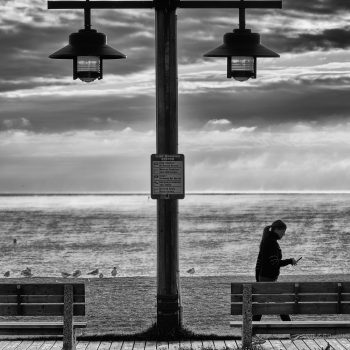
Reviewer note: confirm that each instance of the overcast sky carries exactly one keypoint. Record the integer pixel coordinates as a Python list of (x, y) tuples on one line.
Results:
[(288, 130)]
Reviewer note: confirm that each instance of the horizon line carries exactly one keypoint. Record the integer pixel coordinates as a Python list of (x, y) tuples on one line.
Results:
[(149, 194)]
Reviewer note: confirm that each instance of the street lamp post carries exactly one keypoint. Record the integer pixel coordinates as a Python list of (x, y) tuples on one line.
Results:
[(168, 281)]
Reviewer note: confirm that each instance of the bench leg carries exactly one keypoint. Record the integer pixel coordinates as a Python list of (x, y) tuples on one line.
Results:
[(69, 341), (68, 330), (247, 317)]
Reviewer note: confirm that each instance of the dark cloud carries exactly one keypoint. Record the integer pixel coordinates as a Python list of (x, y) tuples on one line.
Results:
[(205, 31), (319, 101), (291, 38), (60, 114), (323, 7), (326, 40), (25, 52), (26, 49), (311, 99)]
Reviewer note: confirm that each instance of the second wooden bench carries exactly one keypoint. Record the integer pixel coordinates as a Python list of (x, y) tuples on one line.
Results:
[(297, 298)]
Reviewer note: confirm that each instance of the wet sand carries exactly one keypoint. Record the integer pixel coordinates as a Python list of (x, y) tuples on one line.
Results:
[(127, 305)]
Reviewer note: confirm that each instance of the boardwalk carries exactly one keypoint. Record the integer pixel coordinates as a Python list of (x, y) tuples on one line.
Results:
[(300, 344)]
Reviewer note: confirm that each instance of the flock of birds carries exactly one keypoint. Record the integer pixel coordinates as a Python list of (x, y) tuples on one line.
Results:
[(77, 273)]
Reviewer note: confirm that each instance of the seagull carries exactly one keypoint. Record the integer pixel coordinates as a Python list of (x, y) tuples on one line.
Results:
[(114, 272), (100, 275), (76, 273), (191, 271), (7, 274), (93, 272), (65, 274), (27, 272)]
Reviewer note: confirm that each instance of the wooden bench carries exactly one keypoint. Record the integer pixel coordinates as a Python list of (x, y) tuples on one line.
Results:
[(45, 301), (301, 298)]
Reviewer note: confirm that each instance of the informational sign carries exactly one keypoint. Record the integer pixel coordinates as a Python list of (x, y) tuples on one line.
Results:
[(167, 176)]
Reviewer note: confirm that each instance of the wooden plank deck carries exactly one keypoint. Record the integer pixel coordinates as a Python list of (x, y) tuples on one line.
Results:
[(272, 344)]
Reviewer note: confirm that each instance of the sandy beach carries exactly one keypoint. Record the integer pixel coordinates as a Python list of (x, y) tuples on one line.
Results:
[(127, 305)]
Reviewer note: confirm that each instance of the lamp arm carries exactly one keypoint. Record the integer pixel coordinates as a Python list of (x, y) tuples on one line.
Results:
[(87, 15), (242, 16)]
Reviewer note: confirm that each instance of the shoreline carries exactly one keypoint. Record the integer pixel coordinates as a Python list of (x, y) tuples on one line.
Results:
[(24, 194), (124, 306)]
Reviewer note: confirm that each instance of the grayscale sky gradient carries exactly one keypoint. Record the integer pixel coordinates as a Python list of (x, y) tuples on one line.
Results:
[(288, 130)]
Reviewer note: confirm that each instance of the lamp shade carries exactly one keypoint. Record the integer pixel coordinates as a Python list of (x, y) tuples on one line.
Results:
[(87, 42), (241, 42), (241, 47), (87, 49)]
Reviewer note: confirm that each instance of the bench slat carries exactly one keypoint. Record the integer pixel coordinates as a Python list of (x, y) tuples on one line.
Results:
[(40, 288), (293, 324), (304, 287), (303, 298), (35, 328), (36, 324), (32, 331), (262, 298), (265, 288), (291, 308), (288, 287), (39, 299), (295, 327), (39, 310), (301, 308)]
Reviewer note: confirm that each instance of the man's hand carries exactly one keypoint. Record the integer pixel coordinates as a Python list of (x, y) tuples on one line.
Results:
[(295, 262)]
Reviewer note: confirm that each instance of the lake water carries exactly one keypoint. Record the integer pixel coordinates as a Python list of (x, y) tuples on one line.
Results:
[(218, 234)]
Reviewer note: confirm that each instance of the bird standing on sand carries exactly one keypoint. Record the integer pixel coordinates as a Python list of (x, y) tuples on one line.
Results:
[(93, 272), (114, 272), (65, 274), (76, 273), (7, 274), (27, 272), (191, 271), (100, 275)]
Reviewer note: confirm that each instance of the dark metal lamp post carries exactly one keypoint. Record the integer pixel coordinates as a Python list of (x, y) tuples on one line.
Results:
[(87, 49), (241, 47)]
